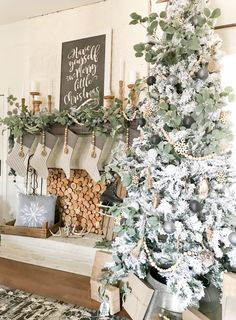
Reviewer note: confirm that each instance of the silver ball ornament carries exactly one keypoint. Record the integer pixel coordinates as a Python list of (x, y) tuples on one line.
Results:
[(232, 238), (203, 73), (173, 80), (169, 227)]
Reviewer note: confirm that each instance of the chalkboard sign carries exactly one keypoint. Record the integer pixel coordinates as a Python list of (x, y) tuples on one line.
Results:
[(82, 70)]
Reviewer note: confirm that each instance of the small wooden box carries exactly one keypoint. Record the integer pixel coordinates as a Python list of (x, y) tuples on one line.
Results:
[(194, 314), (137, 301), (43, 232), (112, 292), (229, 296)]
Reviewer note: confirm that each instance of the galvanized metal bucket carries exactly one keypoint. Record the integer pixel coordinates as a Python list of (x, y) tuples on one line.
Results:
[(210, 305), (163, 300)]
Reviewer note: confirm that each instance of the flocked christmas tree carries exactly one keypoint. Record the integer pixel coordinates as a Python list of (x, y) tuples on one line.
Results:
[(180, 213)]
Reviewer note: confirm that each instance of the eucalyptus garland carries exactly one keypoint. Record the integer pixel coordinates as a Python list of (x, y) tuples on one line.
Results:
[(109, 121)]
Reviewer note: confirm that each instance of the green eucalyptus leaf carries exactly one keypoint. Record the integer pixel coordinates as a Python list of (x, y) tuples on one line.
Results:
[(126, 179), (194, 44), (135, 16), (163, 25), (207, 12), (134, 22), (216, 13), (153, 25), (164, 106), (163, 14), (148, 57), (139, 47), (139, 54), (170, 30), (152, 16), (143, 20)]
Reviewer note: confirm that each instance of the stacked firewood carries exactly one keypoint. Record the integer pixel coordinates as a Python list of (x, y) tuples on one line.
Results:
[(78, 199)]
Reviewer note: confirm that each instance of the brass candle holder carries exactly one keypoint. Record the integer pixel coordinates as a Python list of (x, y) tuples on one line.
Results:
[(36, 106), (49, 103), (23, 106), (133, 95), (33, 94), (121, 90), (108, 101)]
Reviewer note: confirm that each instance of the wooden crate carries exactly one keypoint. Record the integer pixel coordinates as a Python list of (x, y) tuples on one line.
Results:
[(43, 232)]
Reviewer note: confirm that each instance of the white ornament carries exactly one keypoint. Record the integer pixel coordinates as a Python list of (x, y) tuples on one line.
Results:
[(134, 205), (203, 189), (152, 154), (170, 169)]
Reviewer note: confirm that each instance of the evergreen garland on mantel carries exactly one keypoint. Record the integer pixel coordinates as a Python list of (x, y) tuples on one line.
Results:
[(90, 116)]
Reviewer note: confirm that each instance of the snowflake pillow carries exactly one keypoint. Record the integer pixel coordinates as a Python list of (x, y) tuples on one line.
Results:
[(33, 211)]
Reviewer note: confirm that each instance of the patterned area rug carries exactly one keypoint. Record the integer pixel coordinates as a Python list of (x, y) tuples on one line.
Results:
[(19, 305)]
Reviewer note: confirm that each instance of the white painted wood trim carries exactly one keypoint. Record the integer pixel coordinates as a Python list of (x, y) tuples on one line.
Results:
[(75, 255)]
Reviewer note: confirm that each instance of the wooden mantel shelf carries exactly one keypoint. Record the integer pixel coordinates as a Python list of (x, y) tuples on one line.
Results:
[(73, 255)]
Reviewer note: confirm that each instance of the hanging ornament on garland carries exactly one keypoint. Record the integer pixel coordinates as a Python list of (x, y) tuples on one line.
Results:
[(141, 122), (149, 180), (135, 180), (181, 147), (169, 227), (155, 139), (136, 251), (188, 121), (151, 155), (203, 188), (195, 206), (156, 200), (135, 205), (221, 177), (202, 73), (232, 238), (147, 112), (206, 257), (172, 79), (151, 80), (209, 233), (224, 117), (213, 66)]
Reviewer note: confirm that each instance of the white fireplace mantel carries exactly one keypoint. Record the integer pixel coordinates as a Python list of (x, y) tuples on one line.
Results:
[(73, 255)]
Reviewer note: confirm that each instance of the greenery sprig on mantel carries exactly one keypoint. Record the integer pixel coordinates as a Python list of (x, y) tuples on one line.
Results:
[(108, 121)]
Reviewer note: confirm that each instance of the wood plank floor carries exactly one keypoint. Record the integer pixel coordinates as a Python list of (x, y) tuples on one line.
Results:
[(49, 283)]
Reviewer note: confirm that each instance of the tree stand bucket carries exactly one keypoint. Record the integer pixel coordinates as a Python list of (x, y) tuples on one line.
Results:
[(163, 302)]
